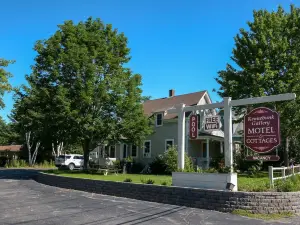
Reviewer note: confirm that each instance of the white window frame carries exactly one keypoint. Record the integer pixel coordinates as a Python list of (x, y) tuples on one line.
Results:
[(149, 149), (166, 140), (115, 151), (162, 119), (109, 150), (137, 151)]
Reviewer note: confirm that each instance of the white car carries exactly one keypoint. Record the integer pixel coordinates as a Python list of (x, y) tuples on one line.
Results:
[(71, 161)]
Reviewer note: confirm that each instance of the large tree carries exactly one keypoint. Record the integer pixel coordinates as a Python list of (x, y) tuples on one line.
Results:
[(266, 61), (101, 97), (4, 76)]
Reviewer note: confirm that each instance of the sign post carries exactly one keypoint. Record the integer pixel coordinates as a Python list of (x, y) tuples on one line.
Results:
[(227, 104)]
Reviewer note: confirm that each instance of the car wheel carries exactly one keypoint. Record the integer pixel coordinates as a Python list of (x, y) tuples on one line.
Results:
[(71, 166)]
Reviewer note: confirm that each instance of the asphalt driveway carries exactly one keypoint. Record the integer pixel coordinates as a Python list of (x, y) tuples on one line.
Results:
[(24, 201)]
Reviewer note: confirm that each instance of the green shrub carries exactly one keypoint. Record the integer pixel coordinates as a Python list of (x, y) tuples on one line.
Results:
[(117, 164), (164, 183), (137, 167), (170, 158), (158, 165), (210, 170), (167, 163), (291, 184), (128, 180), (16, 163), (150, 181)]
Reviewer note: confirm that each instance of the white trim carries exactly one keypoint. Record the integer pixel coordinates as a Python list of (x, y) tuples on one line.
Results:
[(162, 119), (166, 140), (149, 154), (137, 151)]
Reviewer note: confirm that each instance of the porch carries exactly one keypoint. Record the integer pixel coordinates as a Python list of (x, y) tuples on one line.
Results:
[(205, 149)]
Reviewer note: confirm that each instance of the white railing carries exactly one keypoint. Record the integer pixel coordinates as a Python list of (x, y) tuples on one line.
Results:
[(285, 172)]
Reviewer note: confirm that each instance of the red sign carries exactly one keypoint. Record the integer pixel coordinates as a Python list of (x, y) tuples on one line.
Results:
[(193, 126), (261, 130), (263, 158)]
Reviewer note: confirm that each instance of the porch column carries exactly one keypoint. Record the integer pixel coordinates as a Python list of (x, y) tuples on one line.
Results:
[(221, 147), (207, 152), (181, 136)]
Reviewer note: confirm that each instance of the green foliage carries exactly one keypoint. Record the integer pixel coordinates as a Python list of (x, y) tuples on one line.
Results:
[(117, 164), (8, 134), (129, 159), (255, 168), (137, 167), (4, 76), (128, 180), (271, 216), (147, 181), (20, 163), (15, 163), (167, 163), (291, 184), (82, 68), (158, 165), (267, 56), (170, 158), (164, 183), (209, 170), (74, 148)]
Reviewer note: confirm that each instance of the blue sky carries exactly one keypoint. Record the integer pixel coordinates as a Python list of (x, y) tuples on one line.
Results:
[(179, 44)]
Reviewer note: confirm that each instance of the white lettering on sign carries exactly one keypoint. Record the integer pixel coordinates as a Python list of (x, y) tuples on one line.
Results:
[(193, 127), (212, 123)]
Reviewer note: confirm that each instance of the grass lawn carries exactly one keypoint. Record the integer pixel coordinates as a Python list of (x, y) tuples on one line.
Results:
[(256, 184), (245, 183), (136, 178), (272, 216)]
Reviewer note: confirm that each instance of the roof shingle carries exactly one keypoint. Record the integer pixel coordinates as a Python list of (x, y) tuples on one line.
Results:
[(163, 104), (13, 148)]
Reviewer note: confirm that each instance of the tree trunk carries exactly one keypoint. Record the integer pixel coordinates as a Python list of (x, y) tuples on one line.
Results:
[(27, 137), (57, 148), (86, 151), (286, 152), (35, 153)]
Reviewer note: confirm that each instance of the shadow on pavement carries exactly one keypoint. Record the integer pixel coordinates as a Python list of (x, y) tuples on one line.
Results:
[(18, 174)]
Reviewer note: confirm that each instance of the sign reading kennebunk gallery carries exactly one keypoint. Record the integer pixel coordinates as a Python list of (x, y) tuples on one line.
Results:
[(261, 130)]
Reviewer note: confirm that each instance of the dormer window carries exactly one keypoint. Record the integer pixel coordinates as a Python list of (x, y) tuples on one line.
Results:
[(159, 119)]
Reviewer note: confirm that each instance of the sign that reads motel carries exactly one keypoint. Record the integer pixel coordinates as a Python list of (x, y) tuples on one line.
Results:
[(261, 130), (212, 123), (193, 126)]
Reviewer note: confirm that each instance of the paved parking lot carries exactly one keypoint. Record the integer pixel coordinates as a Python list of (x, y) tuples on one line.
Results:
[(24, 201)]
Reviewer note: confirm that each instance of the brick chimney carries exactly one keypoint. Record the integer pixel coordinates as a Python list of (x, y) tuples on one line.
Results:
[(171, 93)]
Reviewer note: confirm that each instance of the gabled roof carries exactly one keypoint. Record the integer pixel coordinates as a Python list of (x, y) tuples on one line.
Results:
[(13, 148), (163, 104)]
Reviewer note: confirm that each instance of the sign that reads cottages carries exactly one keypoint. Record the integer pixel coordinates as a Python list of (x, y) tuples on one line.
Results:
[(212, 123), (193, 126), (261, 130)]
